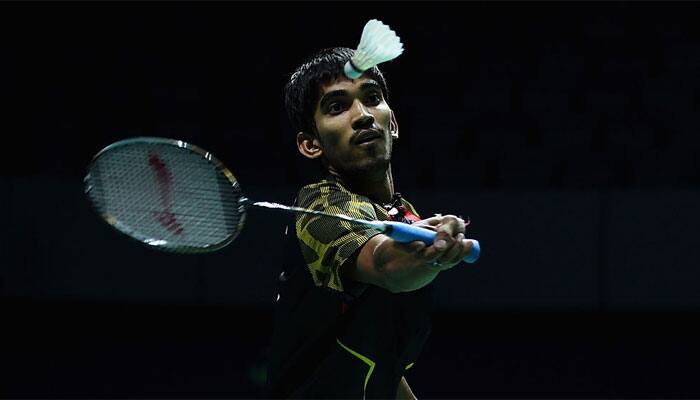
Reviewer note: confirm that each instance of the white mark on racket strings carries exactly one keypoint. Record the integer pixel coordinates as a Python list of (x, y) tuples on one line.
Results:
[(156, 242)]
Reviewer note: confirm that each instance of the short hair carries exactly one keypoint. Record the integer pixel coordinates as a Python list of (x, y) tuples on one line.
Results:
[(301, 93)]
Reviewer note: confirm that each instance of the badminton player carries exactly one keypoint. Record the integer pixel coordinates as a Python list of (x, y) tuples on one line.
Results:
[(353, 310)]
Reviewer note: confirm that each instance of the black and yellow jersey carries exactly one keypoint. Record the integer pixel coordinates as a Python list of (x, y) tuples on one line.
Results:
[(331, 340), (326, 243)]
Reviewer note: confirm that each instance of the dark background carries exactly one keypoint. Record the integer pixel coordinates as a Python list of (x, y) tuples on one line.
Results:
[(568, 132)]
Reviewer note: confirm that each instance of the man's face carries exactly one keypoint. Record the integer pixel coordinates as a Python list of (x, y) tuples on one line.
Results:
[(354, 123)]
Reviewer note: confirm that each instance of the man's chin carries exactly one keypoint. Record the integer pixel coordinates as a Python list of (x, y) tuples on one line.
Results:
[(367, 169)]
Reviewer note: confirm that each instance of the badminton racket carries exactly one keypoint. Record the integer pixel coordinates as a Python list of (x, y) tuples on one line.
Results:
[(177, 197)]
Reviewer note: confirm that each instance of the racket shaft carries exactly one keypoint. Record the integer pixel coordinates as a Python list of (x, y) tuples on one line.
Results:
[(374, 224)]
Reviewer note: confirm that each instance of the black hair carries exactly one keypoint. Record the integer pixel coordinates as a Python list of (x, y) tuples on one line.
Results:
[(302, 90)]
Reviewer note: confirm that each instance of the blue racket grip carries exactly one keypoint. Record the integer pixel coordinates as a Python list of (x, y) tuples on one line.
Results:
[(408, 233)]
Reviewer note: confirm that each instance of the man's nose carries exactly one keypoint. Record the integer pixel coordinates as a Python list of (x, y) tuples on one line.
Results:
[(362, 118)]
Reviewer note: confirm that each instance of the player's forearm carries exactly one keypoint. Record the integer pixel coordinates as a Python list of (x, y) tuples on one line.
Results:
[(402, 273), (392, 265), (403, 267)]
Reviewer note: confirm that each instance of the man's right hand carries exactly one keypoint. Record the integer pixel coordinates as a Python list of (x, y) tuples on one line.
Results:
[(403, 267), (449, 247)]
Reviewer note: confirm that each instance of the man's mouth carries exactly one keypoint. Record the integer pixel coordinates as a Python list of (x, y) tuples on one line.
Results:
[(366, 136)]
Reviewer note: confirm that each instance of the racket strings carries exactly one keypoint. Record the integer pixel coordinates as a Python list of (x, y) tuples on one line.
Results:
[(181, 198)]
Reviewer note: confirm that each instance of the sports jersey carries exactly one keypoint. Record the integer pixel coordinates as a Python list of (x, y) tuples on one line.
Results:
[(338, 338)]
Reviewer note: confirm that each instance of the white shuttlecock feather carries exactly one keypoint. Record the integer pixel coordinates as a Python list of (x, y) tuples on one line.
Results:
[(377, 45)]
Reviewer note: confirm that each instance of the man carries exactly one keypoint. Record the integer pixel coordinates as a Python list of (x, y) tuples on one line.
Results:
[(353, 318)]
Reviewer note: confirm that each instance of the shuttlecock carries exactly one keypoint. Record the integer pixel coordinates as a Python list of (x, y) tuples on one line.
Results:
[(377, 45)]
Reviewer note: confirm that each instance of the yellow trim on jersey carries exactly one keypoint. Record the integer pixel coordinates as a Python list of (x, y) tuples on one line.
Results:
[(409, 366), (364, 359)]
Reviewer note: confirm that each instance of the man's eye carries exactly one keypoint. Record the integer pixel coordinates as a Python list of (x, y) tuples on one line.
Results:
[(335, 108), (375, 98)]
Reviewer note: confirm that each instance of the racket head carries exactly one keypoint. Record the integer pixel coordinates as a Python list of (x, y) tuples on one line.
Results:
[(166, 193)]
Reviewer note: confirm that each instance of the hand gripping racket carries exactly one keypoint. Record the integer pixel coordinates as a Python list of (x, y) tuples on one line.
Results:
[(177, 197)]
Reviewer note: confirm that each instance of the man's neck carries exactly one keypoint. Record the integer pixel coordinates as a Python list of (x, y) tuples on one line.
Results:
[(379, 188)]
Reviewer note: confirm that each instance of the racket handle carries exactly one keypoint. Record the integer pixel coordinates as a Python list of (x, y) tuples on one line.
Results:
[(408, 233)]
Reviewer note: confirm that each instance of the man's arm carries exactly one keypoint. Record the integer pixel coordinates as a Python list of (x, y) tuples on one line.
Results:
[(403, 392), (403, 267)]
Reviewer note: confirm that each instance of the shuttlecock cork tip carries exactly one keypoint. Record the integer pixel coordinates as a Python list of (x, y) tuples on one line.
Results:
[(378, 44)]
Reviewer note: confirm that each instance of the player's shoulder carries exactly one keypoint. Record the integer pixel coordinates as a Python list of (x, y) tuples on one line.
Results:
[(327, 190), (322, 186)]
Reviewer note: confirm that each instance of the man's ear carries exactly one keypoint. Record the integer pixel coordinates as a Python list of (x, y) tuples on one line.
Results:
[(394, 126), (308, 145)]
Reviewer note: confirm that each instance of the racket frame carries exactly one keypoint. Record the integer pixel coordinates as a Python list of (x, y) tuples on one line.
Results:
[(135, 235)]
